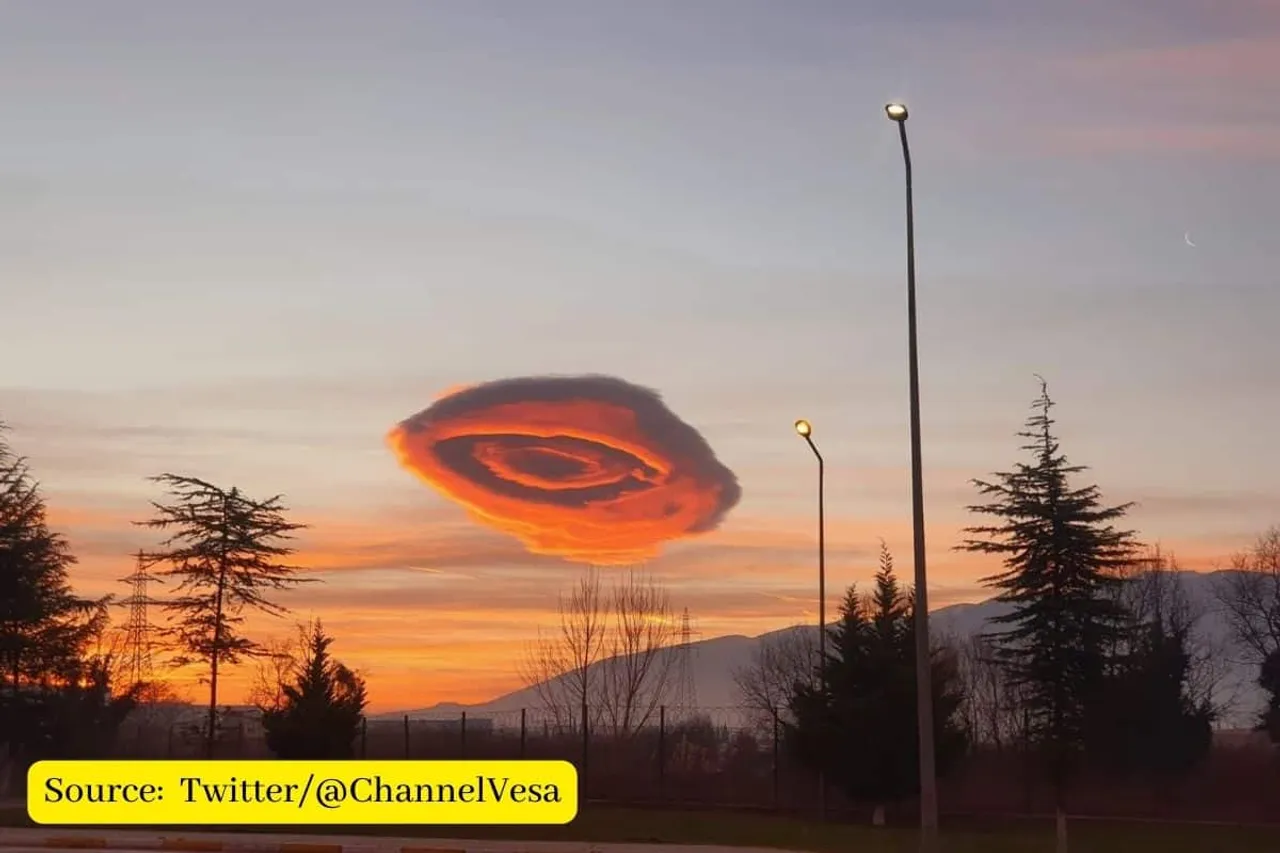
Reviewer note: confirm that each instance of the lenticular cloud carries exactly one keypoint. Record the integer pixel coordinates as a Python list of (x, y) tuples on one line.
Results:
[(589, 468)]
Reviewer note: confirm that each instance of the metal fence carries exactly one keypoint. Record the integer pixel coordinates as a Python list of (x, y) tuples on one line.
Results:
[(730, 758)]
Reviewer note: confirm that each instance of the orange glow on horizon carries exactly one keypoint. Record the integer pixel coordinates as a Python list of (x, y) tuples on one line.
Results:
[(458, 631)]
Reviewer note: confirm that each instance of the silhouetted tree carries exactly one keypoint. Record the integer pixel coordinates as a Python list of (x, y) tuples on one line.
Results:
[(1144, 722), (767, 682), (641, 653), (563, 669), (81, 718), (992, 706), (226, 549), (1250, 598), (1154, 592), (613, 660), (44, 626), (819, 706), (1269, 681), (858, 724), (889, 607), (316, 713), (1154, 716), (1062, 557), (45, 629), (694, 743)]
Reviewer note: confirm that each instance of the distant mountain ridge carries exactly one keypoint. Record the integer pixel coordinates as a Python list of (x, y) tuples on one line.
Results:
[(714, 661)]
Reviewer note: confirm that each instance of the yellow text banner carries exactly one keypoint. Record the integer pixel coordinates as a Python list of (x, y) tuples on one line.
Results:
[(198, 793)]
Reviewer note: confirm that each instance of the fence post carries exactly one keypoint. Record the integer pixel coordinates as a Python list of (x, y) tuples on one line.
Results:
[(406, 736), (1028, 769), (462, 733), (662, 751), (523, 732), (776, 787), (364, 737), (586, 750)]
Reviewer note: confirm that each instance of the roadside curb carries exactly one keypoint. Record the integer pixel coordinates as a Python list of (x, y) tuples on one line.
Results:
[(199, 845)]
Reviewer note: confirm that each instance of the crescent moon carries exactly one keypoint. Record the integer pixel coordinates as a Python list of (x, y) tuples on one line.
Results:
[(1187, 236)]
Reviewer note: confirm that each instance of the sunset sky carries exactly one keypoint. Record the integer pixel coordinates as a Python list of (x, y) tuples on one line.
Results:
[(242, 241)]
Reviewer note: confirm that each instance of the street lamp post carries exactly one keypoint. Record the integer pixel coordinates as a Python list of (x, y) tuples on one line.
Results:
[(805, 430), (924, 694)]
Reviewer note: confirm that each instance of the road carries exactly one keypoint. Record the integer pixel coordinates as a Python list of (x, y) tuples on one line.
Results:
[(150, 841)]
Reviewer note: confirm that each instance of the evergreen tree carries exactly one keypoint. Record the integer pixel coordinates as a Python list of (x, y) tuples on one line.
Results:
[(1144, 722), (889, 605), (227, 551), (861, 730), (54, 696), (1061, 555), (44, 626), (1149, 720), (821, 707), (317, 716), (82, 718)]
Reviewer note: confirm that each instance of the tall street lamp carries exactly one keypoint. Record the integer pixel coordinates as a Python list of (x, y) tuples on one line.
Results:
[(805, 430), (924, 694)]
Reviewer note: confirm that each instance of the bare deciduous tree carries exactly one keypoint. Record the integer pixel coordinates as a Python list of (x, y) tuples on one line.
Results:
[(561, 668), (278, 661), (991, 710), (611, 660), (1250, 597), (641, 663), (1154, 593), (766, 684)]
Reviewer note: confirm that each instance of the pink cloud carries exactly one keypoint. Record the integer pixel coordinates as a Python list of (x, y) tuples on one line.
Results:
[(1207, 97), (1252, 62), (1252, 141)]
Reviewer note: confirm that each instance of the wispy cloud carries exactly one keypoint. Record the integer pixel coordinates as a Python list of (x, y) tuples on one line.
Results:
[(1244, 140)]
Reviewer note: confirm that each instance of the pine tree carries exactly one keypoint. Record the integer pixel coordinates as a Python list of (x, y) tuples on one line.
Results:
[(44, 625), (1150, 720), (821, 706), (226, 549), (861, 731), (319, 714), (1062, 556), (82, 718), (849, 651), (1144, 722), (888, 605), (54, 698)]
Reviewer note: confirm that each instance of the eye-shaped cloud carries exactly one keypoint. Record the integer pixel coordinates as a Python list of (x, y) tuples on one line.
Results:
[(589, 468)]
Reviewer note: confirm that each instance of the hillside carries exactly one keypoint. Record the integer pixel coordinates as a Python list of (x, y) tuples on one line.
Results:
[(714, 661)]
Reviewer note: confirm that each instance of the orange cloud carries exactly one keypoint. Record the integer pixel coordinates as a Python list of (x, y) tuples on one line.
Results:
[(589, 468)]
